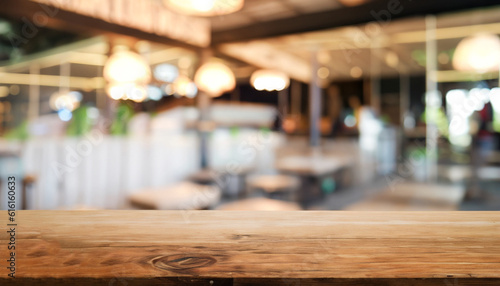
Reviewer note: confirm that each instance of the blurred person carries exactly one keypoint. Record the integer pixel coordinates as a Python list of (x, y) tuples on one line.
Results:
[(483, 144), (369, 129)]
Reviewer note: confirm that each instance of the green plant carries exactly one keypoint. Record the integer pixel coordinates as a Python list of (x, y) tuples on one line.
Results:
[(80, 123), (123, 115), (18, 133)]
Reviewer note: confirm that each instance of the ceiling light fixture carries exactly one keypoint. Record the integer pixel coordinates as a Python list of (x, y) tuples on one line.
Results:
[(352, 3), (215, 78), (184, 86), (127, 74), (206, 8), (269, 80), (478, 53), (127, 66)]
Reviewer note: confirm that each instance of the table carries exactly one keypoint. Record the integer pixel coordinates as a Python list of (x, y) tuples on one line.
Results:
[(259, 204), (314, 170), (230, 181), (254, 248), (275, 186), (411, 196), (181, 196)]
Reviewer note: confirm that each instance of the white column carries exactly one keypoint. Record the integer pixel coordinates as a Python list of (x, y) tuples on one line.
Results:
[(375, 58), (432, 97), (314, 103), (34, 92), (404, 95)]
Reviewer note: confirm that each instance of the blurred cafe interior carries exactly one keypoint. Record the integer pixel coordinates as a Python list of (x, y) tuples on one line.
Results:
[(387, 105)]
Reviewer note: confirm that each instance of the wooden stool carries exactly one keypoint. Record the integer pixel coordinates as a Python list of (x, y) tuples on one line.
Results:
[(28, 183)]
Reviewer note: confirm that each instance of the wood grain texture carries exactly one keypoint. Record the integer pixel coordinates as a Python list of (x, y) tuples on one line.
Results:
[(249, 282), (279, 247), (366, 282), (119, 281)]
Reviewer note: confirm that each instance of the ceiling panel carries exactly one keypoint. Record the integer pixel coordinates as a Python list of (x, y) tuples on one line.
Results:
[(256, 11), (312, 6), (231, 21)]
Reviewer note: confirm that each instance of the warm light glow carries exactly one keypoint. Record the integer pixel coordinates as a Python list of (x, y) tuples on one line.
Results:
[(352, 3), (138, 93), (269, 80), (64, 103), (65, 100), (135, 92), (184, 86), (479, 53), (392, 59), (204, 7), (127, 74), (126, 66), (168, 88), (117, 91), (215, 78), (323, 72), (356, 72)]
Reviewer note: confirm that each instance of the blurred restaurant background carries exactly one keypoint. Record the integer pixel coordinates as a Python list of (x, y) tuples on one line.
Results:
[(250, 104)]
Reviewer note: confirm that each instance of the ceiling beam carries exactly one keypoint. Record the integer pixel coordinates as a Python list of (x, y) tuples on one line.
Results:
[(265, 55), (445, 33), (382, 11), (31, 11), (83, 83)]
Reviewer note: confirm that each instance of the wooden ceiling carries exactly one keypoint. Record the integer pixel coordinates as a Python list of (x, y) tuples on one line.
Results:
[(374, 49), (283, 34), (270, 18), (256, 11)]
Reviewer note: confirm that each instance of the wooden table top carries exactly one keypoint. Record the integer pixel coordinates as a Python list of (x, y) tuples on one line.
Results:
[(260, 204), (273, 183), (316, 165), (267, 247), (181, 196)]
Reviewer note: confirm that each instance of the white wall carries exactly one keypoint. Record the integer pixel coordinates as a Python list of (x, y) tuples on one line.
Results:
[(101, 171)]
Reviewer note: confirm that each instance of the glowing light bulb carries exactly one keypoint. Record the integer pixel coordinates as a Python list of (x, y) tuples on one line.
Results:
[(479, 53), (269, 80), (126, 66), (204, 7), (215, 78)]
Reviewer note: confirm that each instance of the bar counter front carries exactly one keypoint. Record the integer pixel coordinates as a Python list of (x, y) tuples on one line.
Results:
[(251, 248)]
